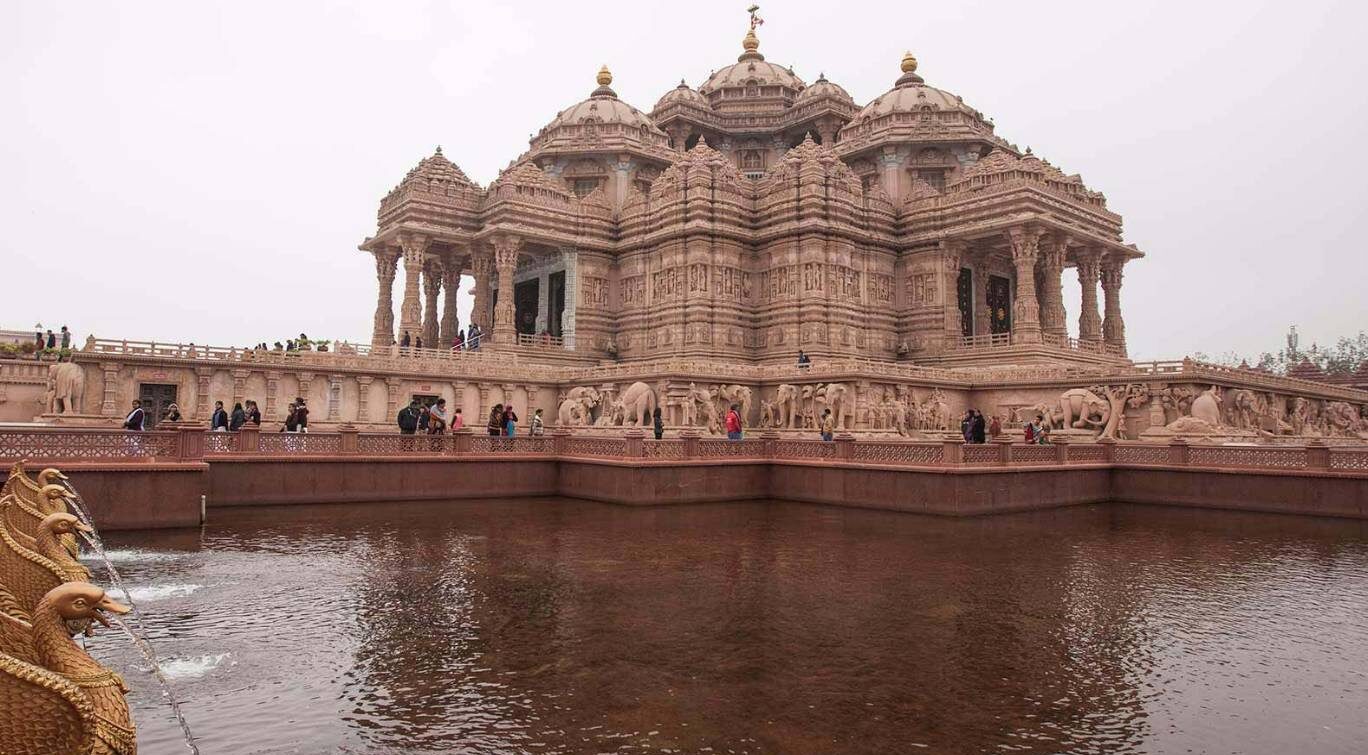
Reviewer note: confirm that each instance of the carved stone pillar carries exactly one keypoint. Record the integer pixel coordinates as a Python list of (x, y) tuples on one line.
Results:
[(334, 397), (1025, 241), (202, 403), (386, 262), (363, 384), (305, 383), (1113, 327), (482, 267), (506, 249), (392, 397), (983, 314), (1053, 319), (483, 408), (1089, 270), (414, 246), (109, 403), (451, 282), (432, 288), (239, 384), (952, 255), (272, 388)]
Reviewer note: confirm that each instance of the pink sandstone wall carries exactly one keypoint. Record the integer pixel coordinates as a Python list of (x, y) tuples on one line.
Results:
[(146, 496), (1280, 492)]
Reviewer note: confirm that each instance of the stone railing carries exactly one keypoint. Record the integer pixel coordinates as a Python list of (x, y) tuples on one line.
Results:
[(187, 444), (339, 353)]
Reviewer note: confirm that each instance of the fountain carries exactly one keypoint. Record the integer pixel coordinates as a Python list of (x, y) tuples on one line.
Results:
[(55, 698)]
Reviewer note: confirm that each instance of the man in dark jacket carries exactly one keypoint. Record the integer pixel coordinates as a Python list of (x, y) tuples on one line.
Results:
[(219, 420), (134, 420), (979, 428), (408, 418)]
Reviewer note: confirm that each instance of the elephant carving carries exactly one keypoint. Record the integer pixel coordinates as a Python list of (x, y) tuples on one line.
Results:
[(838, 398), (787, 403), (734, 394), (66, 388), (1081, 408), (639, 403), (1207, 406)]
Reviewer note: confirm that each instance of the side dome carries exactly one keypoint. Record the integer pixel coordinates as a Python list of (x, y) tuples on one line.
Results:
[(823, 88), (682, 95), (600, 116), (913, 111)]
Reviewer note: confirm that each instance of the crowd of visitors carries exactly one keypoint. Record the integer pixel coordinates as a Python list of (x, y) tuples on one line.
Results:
[(50, 341)]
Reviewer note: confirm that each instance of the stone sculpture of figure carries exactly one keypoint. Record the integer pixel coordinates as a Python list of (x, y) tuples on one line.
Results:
[(1343, 419), (611, 414), (1240, 409), (66, 386), (726, 395), (1119, 397), (1083, 408), (786, 403), (936, 411), (639, 402), (837, 397), (1298, 410), (767, 416), (1207, 406), (900, 415), (704, 413)]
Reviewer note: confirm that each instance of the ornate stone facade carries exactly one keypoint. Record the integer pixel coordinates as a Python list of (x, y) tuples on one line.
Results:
[(756, 216)]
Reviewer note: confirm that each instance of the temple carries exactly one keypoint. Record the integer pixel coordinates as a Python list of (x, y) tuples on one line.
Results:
[(755, 216)]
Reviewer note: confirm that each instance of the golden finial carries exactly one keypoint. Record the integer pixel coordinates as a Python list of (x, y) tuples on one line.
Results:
[(605, 76), (909, 63)]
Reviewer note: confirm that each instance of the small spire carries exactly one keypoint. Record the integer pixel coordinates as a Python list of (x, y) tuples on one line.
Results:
[(605, 76), (909, 69), (751, 43), (439, 149)]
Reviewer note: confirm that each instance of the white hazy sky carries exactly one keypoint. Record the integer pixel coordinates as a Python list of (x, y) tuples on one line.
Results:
[(203, 171)]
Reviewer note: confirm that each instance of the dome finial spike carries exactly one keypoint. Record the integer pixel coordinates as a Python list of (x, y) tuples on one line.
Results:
[(605, 76), (909, 62)]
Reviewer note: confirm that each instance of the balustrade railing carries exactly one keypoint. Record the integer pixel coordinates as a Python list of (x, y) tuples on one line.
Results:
[(187, 444)]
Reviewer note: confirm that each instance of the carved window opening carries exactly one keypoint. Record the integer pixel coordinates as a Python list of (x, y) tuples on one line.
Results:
[(585, 186), (752, 160), (934, 177)]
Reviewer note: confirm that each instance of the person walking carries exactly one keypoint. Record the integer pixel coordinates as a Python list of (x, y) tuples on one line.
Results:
[(995, 427), (253, 414), (804, 362), (657, 423), (291, 418), (458, 342), (404, 343), (828, 425), (495, 424), (537, 428), (1040, 431), (510, 421), (136, 417), (51, 339), (966, 423), (238, 418), (733, 423), (457, 420), (66, 338), (437, 418), (417, 343), (301, 415), (219, 419), (978, 428), (424, 418)]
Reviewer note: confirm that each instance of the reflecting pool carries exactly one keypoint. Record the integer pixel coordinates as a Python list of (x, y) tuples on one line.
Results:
[(564, 626)]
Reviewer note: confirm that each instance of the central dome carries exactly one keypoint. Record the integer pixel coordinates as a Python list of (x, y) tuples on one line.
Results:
[(751, 69)]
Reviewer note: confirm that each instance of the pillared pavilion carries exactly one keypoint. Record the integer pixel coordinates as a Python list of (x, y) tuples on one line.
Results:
[(755, 216)]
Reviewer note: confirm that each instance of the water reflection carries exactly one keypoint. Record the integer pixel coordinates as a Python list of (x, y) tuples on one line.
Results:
[(565, 626)]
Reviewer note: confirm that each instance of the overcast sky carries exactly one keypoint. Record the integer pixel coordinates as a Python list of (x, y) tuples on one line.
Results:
[(197, 171)]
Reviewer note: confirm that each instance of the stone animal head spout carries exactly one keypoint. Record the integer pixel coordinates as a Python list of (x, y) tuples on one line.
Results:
[(63, 524), (50, 476), (82, 601)]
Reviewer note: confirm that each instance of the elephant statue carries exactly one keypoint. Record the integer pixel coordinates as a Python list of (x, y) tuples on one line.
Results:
[(740, 395), (66, 388), (1207, 406), (573, 411), (1241, 409), (639, 403), (1081, 408), (839, 399), (1344, 418), (787, 405), (767, 413)]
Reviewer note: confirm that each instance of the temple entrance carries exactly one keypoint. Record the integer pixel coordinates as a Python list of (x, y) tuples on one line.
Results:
[(999, 304), (156, 399), (525, 306), (555, 303), (964, 295)]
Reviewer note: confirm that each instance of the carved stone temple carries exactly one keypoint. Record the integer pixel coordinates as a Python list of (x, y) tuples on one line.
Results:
[(683, 258), (755, 216)]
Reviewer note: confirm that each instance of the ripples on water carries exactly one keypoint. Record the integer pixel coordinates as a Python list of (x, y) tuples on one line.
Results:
[(565, 626)]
